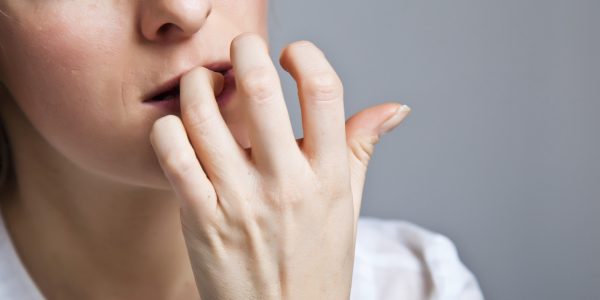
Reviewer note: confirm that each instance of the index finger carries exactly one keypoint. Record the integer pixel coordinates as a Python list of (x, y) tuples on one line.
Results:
[(223, 159)]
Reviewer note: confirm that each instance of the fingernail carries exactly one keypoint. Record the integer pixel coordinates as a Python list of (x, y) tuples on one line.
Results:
[(395, 119), (218, 83)]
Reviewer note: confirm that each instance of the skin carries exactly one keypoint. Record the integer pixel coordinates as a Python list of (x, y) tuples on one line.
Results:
[(111, 198)]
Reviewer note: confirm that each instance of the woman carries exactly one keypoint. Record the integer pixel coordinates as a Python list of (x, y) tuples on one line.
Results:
[(151, 157)]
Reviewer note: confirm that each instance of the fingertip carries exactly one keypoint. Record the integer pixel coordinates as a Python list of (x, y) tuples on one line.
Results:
[(243, 40), (405, 108), (218, 82), (290, 49), (157, 127), (395, 119)]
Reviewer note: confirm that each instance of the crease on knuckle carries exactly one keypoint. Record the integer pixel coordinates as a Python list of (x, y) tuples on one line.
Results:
[(197, 117), (178, 165), (323, 86), (363, 148), (284, 198), (259, 84), (300, 45), (330, 186)]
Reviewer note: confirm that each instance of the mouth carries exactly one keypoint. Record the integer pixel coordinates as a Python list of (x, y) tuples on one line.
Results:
[(170, 90), (169, 94)]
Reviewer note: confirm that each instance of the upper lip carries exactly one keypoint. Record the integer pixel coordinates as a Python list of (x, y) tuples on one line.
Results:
[(220, 67)]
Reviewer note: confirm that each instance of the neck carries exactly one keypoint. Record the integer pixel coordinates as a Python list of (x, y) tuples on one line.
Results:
[(83, 236)]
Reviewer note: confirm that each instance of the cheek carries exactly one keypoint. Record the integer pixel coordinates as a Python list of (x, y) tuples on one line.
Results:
[(258, 9), (55, 64), (246, 15), (67, 70), (63, 73)]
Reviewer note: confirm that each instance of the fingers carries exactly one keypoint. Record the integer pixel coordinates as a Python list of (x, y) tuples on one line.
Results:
[(222, 158), (269, 128), (180, 165), (321, 100)]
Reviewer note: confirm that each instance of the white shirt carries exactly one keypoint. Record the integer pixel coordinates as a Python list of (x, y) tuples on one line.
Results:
[(394, 260)]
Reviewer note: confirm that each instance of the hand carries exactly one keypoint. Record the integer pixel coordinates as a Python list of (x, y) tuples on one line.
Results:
[(277, 220)]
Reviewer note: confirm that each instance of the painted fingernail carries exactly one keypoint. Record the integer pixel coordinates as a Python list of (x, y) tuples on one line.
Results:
[(395, 119)]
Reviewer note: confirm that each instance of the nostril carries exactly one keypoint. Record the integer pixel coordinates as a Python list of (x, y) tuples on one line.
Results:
[(163, 29)]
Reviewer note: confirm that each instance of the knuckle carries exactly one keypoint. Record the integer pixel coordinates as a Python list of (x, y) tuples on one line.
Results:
[(177, 164), (197, 116), (245, 36), (302, 46), (259, 84), (284, 197), (339, 193), (200, 231), (332, 188), (289, 205), (323, 86), (299, 46), (363, 148)]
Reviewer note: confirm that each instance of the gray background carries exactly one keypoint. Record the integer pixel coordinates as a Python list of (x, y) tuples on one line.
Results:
[(501, 152)]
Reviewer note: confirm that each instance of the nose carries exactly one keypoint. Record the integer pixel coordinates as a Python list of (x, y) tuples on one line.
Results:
[(173, 19)]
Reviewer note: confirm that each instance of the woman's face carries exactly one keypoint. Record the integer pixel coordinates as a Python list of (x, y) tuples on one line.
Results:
[(79, 71)]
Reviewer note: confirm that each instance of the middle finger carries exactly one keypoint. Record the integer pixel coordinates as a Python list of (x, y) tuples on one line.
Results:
[(269, 128)]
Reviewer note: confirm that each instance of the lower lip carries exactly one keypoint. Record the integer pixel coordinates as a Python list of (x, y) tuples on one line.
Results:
[(173, 104)]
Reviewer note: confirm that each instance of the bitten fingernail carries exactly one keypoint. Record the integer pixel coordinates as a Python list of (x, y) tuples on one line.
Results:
[(395, 119)]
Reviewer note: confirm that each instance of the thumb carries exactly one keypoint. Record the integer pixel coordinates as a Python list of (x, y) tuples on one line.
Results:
[(363, 131)]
